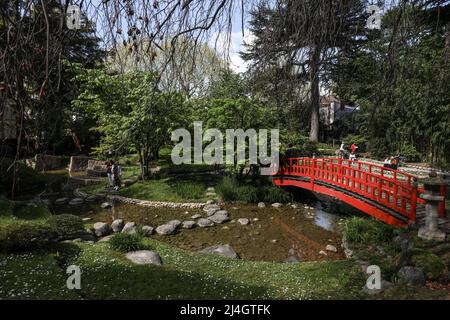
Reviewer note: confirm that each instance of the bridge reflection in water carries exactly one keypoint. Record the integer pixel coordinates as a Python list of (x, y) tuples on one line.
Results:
[(389, 195)]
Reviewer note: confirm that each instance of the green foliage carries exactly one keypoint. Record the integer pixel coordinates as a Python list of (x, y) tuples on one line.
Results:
[(433, 266), (367, 231), (187, 190), (66, 225), (231, 190), (310, 147), (25, 236), (410, 153), (126, 242), (26, 178)]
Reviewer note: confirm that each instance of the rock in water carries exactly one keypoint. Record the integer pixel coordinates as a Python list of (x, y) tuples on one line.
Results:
[(76, 201), (204, 223), (61, 201), (219, 217), (106, 205), (211, 208), (331, 248), (101, 229), (277, 205), (147, 230), (188, 224), (117, 225), (175, 223), (222, 250), (411, 275), (165, 229), (130, 227), (261, 205), (244, 221), (144, 257)]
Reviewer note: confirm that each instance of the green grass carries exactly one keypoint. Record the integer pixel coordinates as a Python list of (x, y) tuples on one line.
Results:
[(185, 188), (106, 274)]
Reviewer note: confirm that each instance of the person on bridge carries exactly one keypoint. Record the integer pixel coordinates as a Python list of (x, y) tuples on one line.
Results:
[(342, 150)]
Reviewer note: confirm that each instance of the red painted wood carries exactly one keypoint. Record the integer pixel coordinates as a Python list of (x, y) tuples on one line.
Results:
[(391, 188)]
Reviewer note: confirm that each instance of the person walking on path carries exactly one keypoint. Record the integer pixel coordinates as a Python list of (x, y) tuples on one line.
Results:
[(117, 173), (109, 174)]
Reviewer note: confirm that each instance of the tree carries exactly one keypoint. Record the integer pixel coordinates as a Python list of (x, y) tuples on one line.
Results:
[(300, 38), (131, 115)]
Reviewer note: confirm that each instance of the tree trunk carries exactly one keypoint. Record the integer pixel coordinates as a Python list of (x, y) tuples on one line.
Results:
[(315, 93)]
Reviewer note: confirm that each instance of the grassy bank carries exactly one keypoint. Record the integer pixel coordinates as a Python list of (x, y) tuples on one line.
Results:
[(106, 274)]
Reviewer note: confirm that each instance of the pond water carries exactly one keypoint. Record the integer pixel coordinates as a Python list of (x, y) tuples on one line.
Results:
[(274, 234)]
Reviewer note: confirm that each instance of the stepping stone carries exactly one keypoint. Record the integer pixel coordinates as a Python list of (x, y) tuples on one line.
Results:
[(210, 189), (175, 223), (165, 229), (205, 223), (210, 202), (219, 217), (188, 224), (244, 221), (76, 201), (144, 257), (211, 207), (211, 194), (196, 216), (222, 250)]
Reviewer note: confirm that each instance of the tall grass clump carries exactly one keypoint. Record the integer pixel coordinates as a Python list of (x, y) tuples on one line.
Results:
[(367, 231)]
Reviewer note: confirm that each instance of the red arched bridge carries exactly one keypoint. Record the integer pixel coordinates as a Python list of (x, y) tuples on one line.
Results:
[(389, 195)]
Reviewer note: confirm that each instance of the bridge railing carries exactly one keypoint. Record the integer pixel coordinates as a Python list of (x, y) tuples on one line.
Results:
[(391, 188)]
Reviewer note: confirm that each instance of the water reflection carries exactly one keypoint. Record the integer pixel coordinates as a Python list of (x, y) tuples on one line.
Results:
[(328, 221)]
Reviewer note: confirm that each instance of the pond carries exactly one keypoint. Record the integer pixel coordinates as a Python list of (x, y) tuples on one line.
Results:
[(274, 234)]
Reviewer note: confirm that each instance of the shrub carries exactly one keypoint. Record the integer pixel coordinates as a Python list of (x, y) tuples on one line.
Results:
[(25, 236), (410, 153), (227, 189), (310, 147), (367, 231), (188, 190), (359, 140), (66, 225), (275, 194), (247, 193), (433, 266), (126, 242)]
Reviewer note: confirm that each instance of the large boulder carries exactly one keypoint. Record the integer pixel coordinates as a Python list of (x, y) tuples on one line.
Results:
[(117, 225), (411, 275), (144, 257), (222, 250), (130, 227), (219, 217), (101, 229), (166, 229), (205, 223)]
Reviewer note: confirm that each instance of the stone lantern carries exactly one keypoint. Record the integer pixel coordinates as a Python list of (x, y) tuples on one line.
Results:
[(432, 196)]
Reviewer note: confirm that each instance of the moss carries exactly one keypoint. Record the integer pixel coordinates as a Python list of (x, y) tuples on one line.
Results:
[(432, 265)]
